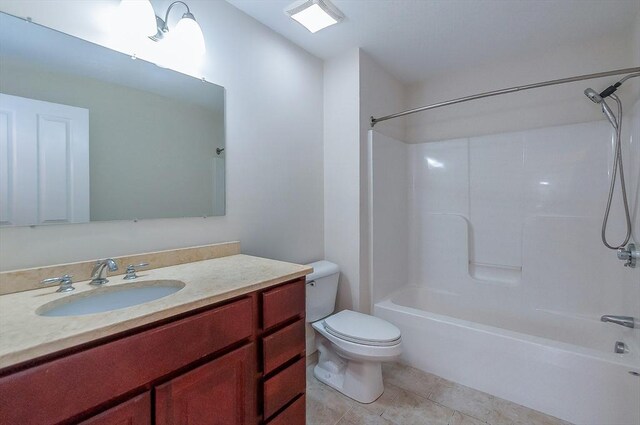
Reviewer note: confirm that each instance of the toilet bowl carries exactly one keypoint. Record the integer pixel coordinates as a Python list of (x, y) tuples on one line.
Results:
[(351, 345)]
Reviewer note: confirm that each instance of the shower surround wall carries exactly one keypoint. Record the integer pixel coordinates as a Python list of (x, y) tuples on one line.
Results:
[(503, 232), (508, 218), (520, 214)]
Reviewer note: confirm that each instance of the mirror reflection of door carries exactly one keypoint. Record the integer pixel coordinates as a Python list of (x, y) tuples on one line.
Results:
[(44, 162)]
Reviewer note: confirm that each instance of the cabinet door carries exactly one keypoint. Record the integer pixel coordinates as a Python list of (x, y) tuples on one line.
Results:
[(136, 411), (221, 392)]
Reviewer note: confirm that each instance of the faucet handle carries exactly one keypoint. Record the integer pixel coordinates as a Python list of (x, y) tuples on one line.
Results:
[(132, 269), (66, 283)]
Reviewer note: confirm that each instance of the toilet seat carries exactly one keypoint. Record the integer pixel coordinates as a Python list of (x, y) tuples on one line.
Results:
[(362, 329)]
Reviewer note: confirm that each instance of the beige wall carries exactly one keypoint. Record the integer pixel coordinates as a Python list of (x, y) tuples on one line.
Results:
[(355, 87), (342, 173), (380, 94)]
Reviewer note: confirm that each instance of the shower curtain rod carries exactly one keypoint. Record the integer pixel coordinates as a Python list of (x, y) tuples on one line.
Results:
[(374, 121)]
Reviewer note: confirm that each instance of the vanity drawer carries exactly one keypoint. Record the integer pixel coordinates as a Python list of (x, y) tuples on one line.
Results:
[(292, 415), (283, 345), (115, 368), (282, 303), (284, 387)]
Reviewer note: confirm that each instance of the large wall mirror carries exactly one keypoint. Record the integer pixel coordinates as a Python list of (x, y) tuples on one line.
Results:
[(89, 134)]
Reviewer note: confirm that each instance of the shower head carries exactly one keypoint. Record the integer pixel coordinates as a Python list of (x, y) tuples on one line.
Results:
[(596, 98), (593, 95)]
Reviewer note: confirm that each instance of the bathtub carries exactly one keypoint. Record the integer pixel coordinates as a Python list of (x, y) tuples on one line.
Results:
[(558, 364)]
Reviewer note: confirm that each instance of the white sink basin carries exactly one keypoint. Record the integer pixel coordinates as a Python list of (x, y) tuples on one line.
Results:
[(111, 298)]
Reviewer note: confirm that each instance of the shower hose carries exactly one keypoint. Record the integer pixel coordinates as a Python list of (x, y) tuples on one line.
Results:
[(617, 167)]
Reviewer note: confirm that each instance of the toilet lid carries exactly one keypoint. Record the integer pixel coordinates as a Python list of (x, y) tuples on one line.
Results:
[(361, 328)]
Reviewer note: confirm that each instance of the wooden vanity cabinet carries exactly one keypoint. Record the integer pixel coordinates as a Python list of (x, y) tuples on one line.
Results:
[(241, 362), (136, 411), (283, 353), (217, 392)]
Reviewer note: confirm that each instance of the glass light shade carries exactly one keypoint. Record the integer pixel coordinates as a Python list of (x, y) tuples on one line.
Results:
[(187, 35), (137, 18), (183, 47), (314, 18)]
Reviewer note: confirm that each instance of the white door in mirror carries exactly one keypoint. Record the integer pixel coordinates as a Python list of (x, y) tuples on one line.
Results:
[(44, 162)]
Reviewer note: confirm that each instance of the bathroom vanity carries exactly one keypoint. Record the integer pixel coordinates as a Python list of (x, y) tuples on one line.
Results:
[(230, 345)]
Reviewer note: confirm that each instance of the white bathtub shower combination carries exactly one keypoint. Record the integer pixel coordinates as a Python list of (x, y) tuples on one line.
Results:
[(584, 383), (486, 253)]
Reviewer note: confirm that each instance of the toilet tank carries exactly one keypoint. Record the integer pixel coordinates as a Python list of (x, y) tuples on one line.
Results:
[(321, 290)]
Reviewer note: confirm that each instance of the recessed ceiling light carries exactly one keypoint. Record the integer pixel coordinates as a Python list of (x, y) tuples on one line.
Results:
[(314, 15)]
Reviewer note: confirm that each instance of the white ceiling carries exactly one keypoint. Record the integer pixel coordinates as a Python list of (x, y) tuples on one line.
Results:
[(415, 39)]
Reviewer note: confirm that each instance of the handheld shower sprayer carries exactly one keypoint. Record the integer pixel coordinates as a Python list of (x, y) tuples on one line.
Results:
[(606, 110), (593, 95), (618, 169)]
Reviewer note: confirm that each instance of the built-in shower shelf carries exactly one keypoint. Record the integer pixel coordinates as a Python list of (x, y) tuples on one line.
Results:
[(495, 273)]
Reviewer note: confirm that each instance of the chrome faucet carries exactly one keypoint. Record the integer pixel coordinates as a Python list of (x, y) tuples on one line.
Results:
[(626, 321), (132, 270), (98, 274), (66, 284), (629, 254)]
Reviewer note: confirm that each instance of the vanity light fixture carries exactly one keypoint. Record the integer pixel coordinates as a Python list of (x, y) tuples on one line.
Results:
[(314, 15), (186, 35)]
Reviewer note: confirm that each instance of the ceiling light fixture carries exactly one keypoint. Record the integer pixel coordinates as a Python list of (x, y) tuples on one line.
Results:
[(314, 15)]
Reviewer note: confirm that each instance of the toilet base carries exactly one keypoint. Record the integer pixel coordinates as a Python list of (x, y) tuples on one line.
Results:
[(359, 380)]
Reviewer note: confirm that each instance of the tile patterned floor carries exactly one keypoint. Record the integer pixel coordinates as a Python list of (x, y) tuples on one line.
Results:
[(415, 397)]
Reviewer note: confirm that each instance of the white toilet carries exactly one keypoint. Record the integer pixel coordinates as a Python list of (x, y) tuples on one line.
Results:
[(351, 345)]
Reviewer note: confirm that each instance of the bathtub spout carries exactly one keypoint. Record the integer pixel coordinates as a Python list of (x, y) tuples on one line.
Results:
[(626, 321)]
